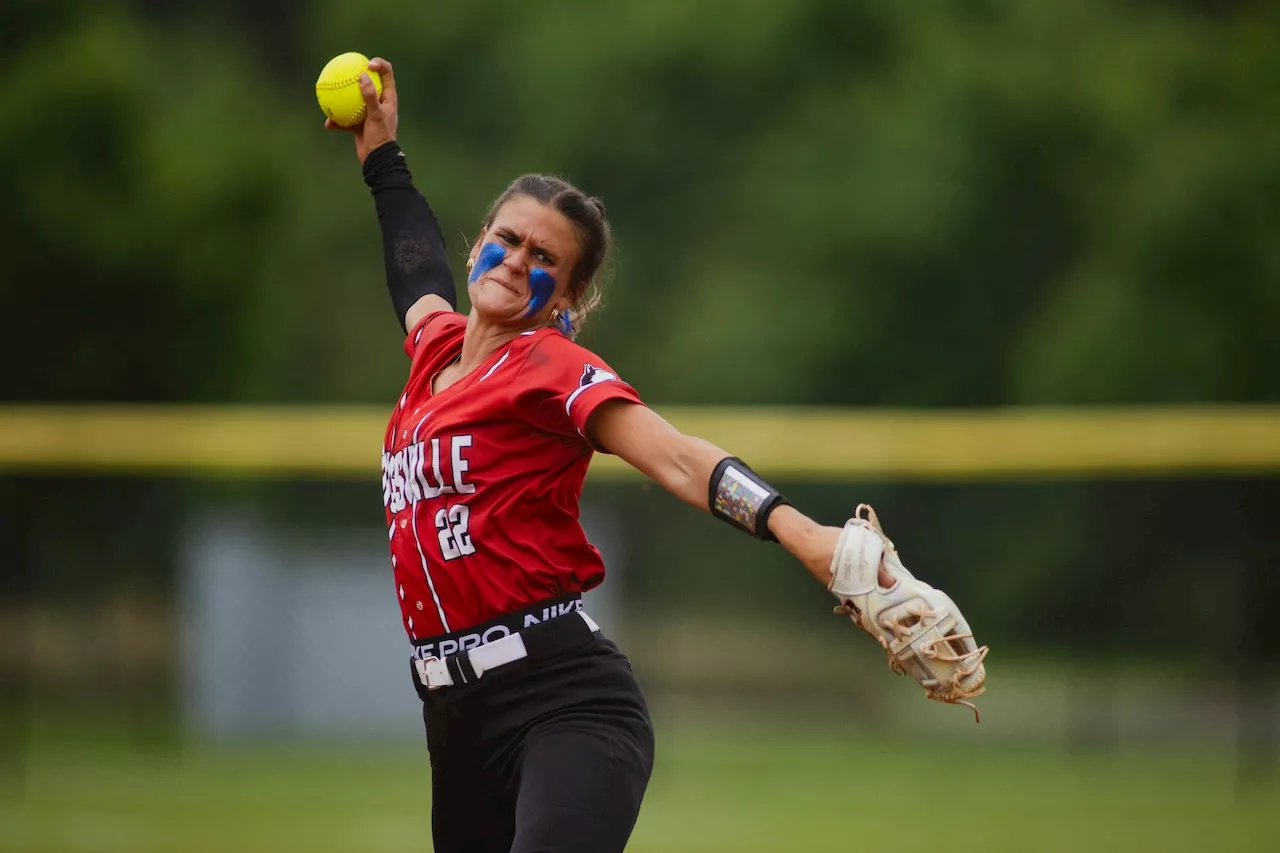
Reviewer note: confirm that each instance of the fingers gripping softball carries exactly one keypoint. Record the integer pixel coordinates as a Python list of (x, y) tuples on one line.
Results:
[(920, 628)]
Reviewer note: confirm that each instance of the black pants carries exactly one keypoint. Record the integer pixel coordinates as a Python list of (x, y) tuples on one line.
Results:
[(540, 756)]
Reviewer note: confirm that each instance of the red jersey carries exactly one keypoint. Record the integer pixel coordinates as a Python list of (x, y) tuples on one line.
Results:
[(481, 481)]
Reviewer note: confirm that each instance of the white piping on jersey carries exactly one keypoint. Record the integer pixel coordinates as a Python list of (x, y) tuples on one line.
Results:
[(495, 367), (568, 404), (413, 514)]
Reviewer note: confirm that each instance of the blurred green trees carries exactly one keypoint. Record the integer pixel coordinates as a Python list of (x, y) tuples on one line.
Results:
[(816, 202)]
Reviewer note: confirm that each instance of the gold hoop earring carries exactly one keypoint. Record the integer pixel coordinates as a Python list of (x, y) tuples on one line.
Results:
[(563, 322)]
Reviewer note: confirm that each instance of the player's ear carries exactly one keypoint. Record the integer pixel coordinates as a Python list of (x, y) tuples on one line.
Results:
[(475, 248), (563, 302)]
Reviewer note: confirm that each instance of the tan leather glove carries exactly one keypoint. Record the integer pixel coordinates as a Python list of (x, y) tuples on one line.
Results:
[(920, 628)]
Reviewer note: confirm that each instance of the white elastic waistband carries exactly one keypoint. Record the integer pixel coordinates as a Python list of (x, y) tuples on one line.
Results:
[(434, 672)]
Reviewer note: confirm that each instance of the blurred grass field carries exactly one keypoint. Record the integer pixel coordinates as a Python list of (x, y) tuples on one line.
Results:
[(735, 788)]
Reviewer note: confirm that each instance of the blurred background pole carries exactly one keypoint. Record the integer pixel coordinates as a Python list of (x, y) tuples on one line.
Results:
[(17, 597), (1256, 659)]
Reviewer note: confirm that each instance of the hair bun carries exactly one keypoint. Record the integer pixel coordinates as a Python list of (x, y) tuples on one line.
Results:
[(597, 204)]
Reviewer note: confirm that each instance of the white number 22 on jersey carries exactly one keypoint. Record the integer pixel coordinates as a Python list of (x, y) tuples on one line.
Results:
[(452, 523)]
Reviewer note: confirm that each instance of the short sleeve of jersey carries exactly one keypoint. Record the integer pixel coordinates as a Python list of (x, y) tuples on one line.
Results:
[(433, 333), (560, 384)]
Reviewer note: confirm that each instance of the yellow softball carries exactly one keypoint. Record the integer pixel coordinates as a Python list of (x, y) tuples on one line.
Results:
[(338, 88)]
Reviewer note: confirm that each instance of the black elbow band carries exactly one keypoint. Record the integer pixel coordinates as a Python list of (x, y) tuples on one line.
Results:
[(738, 495), (413, 248)]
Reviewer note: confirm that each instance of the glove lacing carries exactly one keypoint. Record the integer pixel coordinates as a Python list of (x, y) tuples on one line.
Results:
[(963, 671)]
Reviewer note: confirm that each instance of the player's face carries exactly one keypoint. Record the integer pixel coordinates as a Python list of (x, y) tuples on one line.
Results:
[(522, 264)]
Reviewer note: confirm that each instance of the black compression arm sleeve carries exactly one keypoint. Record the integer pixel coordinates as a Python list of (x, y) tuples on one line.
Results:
[(412, 245)]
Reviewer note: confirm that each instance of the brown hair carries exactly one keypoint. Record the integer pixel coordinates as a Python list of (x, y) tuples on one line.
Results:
[(595, 237)]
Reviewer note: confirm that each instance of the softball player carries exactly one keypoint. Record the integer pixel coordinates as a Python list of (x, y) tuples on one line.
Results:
[(538, 735)]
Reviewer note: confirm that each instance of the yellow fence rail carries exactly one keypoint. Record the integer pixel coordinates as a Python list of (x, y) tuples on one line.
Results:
[(812, 444)]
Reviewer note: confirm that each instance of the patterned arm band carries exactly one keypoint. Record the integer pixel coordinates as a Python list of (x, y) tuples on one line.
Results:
[(740, 497)]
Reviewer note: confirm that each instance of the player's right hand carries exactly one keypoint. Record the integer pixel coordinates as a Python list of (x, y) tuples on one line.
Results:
[(381, 114)]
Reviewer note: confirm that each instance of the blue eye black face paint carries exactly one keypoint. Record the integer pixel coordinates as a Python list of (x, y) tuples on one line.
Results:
[(491, 254), (542, 284)]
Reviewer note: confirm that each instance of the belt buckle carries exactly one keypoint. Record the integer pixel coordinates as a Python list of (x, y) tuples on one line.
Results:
[(426, 671)]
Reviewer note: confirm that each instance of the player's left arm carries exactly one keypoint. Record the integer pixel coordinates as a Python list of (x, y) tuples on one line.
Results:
[(922, 631), (684, 465)]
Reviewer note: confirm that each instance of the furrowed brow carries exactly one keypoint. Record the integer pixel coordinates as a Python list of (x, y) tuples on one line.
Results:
[(507, 233)]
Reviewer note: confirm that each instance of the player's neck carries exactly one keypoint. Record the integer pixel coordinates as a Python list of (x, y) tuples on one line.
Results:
[(482, 340)]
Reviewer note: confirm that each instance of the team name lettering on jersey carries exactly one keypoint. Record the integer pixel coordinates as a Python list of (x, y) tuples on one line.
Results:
[(421, 471)]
